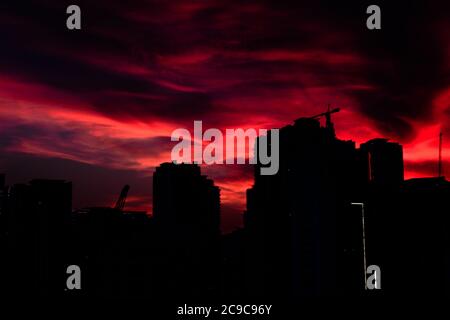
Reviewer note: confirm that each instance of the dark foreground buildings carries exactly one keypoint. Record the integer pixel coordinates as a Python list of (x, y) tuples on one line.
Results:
[(295, 218), (302, 235), (35, 216), (121, 254), (304, 225)]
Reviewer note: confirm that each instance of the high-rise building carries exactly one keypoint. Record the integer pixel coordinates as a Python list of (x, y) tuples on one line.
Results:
[(183, 197), (186, 209), (295, 218)]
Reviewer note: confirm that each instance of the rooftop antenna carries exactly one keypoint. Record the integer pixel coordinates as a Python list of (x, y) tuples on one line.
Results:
[(440, 155)]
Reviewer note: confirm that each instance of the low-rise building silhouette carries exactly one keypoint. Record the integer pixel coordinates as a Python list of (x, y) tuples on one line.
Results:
[(38, 217), (383, 162)]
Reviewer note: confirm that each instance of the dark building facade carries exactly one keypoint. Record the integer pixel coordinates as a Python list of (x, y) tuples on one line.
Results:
[(186, 212), (424, 245), (304, 226), (4, 228), (115, 251), (407, 237), (184, 197), (297, 220), (38, 216), (3, 204), (383, 162)]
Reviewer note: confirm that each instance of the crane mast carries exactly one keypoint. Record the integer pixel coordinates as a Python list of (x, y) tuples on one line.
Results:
[(120, 204), (327, 115)]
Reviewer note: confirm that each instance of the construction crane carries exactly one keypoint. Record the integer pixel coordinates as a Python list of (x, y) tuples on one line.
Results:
[(327, 116), (120, 204)]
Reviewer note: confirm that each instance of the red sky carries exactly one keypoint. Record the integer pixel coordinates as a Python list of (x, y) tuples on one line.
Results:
[(97, 106)]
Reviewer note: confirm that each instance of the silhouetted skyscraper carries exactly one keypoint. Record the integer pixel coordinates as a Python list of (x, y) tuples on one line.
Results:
[(183, 197), (295, 218), (186, 209)]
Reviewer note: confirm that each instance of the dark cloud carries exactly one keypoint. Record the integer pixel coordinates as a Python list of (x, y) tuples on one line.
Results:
[(403, 63), (76, 144), (407, 65)]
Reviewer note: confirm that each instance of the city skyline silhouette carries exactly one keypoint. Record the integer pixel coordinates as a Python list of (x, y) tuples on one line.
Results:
[(301, 235)]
